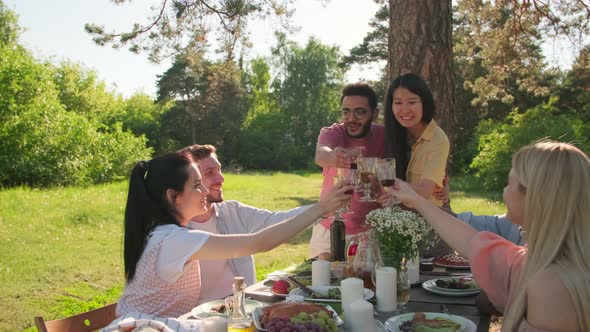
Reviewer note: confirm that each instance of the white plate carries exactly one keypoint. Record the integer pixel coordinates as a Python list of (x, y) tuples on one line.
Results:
[(257, 316), (324, 289), (393, 323), (430, 286), (450, 290), (204, 310), (279, 294)]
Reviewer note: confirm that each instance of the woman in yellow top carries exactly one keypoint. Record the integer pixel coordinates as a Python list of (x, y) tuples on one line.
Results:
[(419, 146)]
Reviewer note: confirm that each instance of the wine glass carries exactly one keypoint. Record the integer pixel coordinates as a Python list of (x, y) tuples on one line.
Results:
[(348, 174), (385, 170), (353, 154), (366, 168)]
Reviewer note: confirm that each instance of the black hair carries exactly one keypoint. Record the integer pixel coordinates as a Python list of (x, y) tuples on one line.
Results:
[(360, 89), (396, 137), (147, 203)]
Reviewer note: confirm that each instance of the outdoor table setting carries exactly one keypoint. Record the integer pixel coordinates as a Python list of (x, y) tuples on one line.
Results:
[(441, 292)]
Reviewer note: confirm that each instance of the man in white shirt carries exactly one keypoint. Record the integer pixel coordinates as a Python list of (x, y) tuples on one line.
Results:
[(227, 217)]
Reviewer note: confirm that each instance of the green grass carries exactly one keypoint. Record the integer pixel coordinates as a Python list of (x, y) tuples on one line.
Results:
[(60, 249)]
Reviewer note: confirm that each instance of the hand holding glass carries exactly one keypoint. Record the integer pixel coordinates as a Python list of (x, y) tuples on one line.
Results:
[(386, 174)]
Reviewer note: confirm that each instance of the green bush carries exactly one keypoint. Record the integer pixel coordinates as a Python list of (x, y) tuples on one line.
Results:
[(497, 142), (265, 145), (42, 144)]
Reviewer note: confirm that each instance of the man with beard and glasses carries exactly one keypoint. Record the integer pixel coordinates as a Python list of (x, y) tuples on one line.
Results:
[(358, 110), (227, 217)]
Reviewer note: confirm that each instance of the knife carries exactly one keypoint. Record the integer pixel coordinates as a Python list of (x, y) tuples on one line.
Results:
[(301, 285)]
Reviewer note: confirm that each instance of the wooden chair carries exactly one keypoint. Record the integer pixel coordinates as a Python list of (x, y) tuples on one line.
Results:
[(85, 322)]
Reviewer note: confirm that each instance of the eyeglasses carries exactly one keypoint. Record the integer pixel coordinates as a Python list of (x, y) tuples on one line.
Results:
[(359, 113)]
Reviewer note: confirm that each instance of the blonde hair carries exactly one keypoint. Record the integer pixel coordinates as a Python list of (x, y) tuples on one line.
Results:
[(556, 178)]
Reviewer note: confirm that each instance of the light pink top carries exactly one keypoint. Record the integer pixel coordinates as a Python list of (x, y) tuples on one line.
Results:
[(165, 284), (497, 265), (336, 136)]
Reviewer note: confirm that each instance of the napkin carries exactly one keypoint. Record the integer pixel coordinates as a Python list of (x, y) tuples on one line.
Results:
[(136, 321)]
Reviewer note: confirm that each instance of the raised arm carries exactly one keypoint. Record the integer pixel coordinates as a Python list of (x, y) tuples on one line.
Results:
[(457, 234), (325, 156), (237, 245)]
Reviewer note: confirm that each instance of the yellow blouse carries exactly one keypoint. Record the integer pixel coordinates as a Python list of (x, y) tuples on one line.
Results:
[(429, 157)]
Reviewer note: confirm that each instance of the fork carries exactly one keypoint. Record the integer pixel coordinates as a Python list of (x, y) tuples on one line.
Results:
[(444, 309), (301, 285)]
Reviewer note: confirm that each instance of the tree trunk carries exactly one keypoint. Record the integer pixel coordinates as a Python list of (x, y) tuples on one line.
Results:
[(420, 42)]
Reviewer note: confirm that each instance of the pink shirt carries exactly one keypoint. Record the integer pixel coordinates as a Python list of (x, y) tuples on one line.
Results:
[(336, 136), (497, 264)]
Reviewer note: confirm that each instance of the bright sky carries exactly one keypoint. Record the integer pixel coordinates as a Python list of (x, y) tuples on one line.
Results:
[(56, 29)]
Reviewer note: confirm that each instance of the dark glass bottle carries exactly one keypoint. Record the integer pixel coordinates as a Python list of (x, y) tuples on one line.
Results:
[(338, 240)]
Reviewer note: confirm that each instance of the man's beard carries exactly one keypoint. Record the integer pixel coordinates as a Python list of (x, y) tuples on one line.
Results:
[(212, 199), (364, 132)]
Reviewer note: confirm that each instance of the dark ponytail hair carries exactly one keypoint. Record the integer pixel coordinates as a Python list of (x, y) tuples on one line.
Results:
[(147, 204), (396, 135)]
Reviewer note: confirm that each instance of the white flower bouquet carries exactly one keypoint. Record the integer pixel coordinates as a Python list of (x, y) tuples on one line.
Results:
[(401, 233)]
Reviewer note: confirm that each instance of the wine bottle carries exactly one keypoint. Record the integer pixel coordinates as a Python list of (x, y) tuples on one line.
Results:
[(338, 240)]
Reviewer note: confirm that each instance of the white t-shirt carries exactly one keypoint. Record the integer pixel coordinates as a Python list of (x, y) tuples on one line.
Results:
[(165, 284), (216, 275)]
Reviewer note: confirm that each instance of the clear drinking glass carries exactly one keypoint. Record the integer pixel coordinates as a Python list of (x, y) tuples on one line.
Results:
[(385, 169), (366, 169), (348, 174)]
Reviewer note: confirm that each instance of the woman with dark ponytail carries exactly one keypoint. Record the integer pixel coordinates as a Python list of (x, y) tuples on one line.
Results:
[(162, 255)]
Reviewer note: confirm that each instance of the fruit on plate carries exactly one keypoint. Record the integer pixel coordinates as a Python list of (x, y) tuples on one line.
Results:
[(289, 310), (281, 287), (317, 321), (451, 260)]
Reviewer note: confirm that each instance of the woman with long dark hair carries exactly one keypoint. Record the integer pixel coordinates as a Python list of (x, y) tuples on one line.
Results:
[(162, 255), (419, 146)]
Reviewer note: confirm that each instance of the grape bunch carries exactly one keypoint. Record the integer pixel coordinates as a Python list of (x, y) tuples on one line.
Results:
[(304, 322)]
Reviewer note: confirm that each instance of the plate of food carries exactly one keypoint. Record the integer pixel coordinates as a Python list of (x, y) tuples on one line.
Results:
[(429, 321), (452, 286), (327, 293), (290, 314), (456, 284), (451, 261), (219, 308), (281, 288)]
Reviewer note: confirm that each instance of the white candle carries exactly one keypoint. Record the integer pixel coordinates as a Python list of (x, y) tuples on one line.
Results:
[(414, 270), (361, 316), (386, 289), (215, 324), (351, 289), (320, 273)]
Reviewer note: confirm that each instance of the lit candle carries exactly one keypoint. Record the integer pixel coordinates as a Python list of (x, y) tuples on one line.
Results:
[(361, 316), (386, 289), (352, 290), (320, 273), (414, 270), (215, 324)]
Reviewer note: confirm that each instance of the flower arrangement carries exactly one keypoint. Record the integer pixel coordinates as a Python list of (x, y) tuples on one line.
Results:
[(401, 233)]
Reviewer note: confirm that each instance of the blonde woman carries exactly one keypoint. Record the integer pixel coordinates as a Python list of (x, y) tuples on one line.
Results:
[(544, 285)]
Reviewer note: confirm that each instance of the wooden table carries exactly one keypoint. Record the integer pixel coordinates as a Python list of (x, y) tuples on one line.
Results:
[(420, 300)]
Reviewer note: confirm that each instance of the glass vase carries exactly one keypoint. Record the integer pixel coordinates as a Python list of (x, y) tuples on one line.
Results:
[(403, 286)]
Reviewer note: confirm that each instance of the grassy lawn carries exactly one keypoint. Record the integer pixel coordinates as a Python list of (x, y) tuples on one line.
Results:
[(60, 249)]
